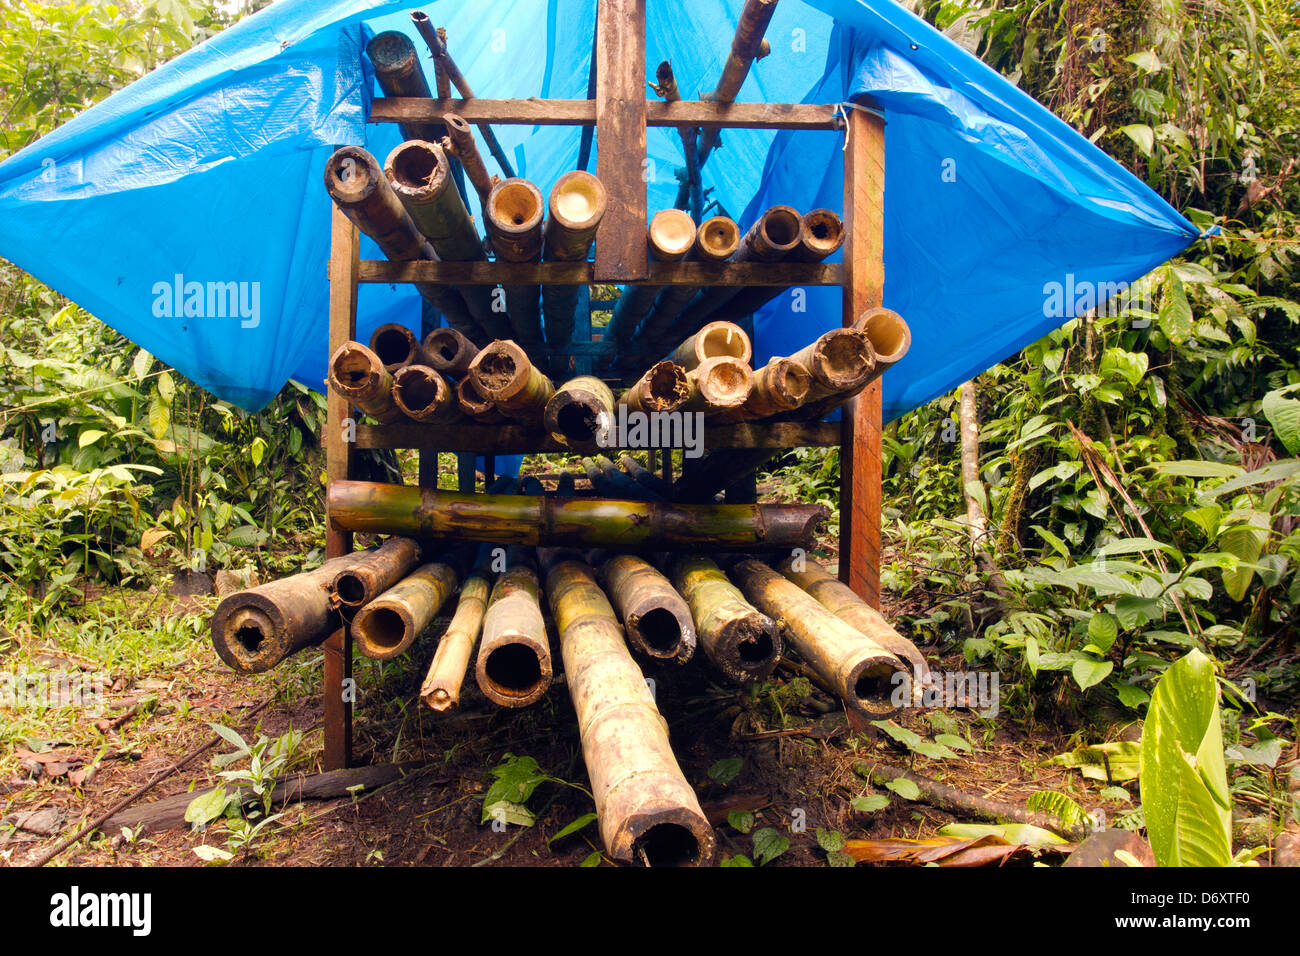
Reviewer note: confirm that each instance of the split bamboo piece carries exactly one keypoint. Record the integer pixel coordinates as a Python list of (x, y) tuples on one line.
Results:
[(513, 668), (449, 352), (670, 237), (388, 626), (580, 412), (441, 687), (719, 384), (502, 372), (657, 621), (256, 629), (358, 375), (717, 240), (459, 143), (420, 175), (846, 661), (373, 573), (424, 396), (513, 214), (715, 340), (664, 388), (474, 404), (362, 193), (548, 521), (647, 811), (395, 345), (840, 600), (577, 205), (741, 641)]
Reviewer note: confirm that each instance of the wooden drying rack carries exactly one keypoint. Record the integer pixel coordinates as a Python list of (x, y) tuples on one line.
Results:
[(620, 114)]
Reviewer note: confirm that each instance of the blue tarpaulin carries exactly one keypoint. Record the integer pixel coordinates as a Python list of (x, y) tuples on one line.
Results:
[(188, 210)]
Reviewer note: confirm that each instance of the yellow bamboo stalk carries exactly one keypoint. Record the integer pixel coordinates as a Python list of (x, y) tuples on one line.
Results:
[(387, 626), (441, 687), (741, 641)]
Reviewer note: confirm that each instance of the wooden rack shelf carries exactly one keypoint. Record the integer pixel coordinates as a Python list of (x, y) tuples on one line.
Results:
[(620, 113)]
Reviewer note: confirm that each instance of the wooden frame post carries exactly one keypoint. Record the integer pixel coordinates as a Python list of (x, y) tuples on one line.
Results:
[(864, 281), (621, 141), (340, 431)]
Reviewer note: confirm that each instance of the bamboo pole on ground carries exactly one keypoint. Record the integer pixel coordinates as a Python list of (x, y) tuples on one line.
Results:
[(657, 621), (513, 215), (361, 191), (373, 572), (580, 412), (664, 388), (576, 206), (715, 340), (449, 352), (670, 237), (548, 521), (388, 626), (358, 375), (741, 641), (513, 667), (503, 373), (441, 687), (647, 811), (424, 396), (846, 661)]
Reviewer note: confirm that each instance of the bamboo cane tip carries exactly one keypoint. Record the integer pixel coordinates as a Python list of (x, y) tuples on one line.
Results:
[(717, 238), (418, 169), (351, 175), (578, 200), (888, 332)]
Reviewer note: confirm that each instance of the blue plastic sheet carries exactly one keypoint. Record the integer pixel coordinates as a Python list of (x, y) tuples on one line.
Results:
[(188, 211)]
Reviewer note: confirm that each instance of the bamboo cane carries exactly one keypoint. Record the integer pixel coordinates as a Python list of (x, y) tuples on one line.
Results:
[(547, 521), (610, 482), (657, 621), (647, 478), (647, 811), (718, 470), (424, 396), (846, 661), (358, 375), (840, 600), (666, 87), (373, 573), (398, 70), (395, 345), (362, 193), (742, 642), (503, 373), (256, 629), (513, 214), (670, 237), (640, 490), (779, 386), (449, 352), (459, 142), (580, 412), (715, 340), (441, 687), (575, 209), (513, 668), (664, 388), (717, 240), (839, 361), (822, 235), (474, 404), (718, 384), (387, 626), (890, 340)]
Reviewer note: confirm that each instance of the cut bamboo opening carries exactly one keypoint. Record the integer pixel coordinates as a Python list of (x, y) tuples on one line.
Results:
[(388, 626), (657, 620), (664, 388), (513, 668), (575, 209), (718, 384), (374, 572), (459, 142), (715, 340), (358, 375), (475, 404), (580, 411), (742, 642), (424, 396), (449, 352), (503, 373), (395, 345)]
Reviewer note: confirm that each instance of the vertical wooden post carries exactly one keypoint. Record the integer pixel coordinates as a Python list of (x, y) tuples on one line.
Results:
[(620, 140), (864, 281), (343, 269)]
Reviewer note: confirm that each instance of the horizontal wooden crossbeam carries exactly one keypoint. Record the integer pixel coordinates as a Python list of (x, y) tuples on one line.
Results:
[(539, 112), (516, 440), (778, 274)]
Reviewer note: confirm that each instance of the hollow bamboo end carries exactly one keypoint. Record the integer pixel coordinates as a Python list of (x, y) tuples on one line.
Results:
[(417, 169), (723, 340), (841, 359), (672, 233), (661, 834), (514, 212), (664, 388), (872, 683), (889, 334), (352, 175), (246, 634), (578, 200), (395, 345), (355, 371), (420, 392), (823, 234), (449, 351), (500, 371), (383, 632), (777, 233), (473, 402), (723, 382), (392, 52), (717, 239), (515, 672)]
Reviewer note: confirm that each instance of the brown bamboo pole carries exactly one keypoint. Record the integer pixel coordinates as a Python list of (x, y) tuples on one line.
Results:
[(666, 87), (399, 72), (424, 396), (890, 340), (474, 404), (459, 143), (838, 362), (502, 372), (513, 215), (647, 478), (742, 642), (361, 191), (779, 386), (576, 206), (717, 240), (580, 412), (256, 629), (822, 235), (373, 572), (449, 352), (657, 621), (395, 345), (669, 238), (388, 626), (513, 668), (647, 811), (718, 385), (840, 600), (846, 661), (715, 340), (664, 388), (441, 687), (358, 375), (548, 521)]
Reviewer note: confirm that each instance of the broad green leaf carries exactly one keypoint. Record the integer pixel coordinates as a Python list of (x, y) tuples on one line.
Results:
[(1184, 782), (592, 859), (870, 802), (1121, 756), (904, 788), (1283, 413), (726, 770), (829, 840), (1088, 673), (508, 812), (166, 387), (1023, 834), (738, 860), (742, 821), (206, 807), (914, 741), (952, 740), (1141, 134), (210, 854), (1207, 518), (768, 845), (140, 366), (1243, 541), (1198, 469), (1102, 630), (160, 417), (89, 437), (1131, 697)]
